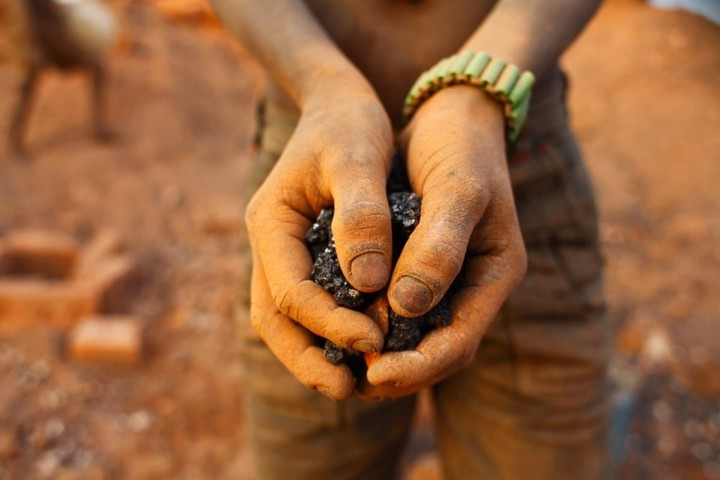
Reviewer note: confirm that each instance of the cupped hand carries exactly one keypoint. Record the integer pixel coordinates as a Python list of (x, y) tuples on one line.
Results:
[(338, 155), (456, 162)]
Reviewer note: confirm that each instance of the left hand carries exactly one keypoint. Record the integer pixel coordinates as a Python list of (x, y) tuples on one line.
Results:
[(456, 162), (339, 154)]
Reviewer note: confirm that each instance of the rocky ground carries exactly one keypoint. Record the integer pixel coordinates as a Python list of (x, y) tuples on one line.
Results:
[(645, 105)]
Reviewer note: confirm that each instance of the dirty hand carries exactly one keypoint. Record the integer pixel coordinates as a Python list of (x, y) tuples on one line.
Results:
[(457, 163), (339, 155)]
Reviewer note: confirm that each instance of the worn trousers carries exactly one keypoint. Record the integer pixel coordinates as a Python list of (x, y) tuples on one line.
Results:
[(532, 404)]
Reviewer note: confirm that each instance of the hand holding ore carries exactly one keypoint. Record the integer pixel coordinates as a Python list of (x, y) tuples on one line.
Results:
[(339, 155), (401, 333), (456, 162)]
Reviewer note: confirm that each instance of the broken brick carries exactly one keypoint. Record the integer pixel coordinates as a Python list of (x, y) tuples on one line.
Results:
[(5, 259), (8, 444), (116, 339), (38, 252), (26, 302)]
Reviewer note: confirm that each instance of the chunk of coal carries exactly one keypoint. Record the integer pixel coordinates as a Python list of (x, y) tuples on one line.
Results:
[(404, 213), (335, 354), (440, 315), (320, 233), (406, 333), (403, 333), (326, 269)]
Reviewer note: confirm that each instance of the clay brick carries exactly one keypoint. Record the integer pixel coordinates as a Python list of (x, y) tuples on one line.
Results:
[(114, 281), (116, 339), (5, 259), (8, 445), (102, 246), (44, 253), (36, 302)]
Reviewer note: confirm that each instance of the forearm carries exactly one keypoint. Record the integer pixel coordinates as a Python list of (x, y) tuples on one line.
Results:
[(532, 34), (285, 37)]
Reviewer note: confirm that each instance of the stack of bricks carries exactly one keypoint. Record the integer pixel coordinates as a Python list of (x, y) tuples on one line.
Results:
[(48, 279)]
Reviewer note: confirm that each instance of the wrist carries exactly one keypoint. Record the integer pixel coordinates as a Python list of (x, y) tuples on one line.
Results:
[(505, 82), (464, 103), (330, 88)]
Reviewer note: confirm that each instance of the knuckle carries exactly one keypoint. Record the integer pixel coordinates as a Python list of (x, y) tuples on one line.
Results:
[(365, 210), (451, 254), (362, 216), (346, 158), (473, 193), (364, 156), (265, 208), (285, 303), (253, 213), (444, 259), (334, 331)]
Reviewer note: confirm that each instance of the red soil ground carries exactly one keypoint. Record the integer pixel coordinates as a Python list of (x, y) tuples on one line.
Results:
[(645, 104)]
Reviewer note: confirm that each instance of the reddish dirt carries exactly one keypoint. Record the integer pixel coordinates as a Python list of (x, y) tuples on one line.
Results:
[(645, 104)]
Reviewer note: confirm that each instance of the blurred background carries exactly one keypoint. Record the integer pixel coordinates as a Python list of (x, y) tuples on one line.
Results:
[(119, 267)]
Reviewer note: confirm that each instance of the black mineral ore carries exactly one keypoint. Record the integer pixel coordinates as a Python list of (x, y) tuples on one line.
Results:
[(405, 214), (326, 267), (403, 333)]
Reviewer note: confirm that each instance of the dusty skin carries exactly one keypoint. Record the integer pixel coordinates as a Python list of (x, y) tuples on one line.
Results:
[(647, 127), (400, 333)]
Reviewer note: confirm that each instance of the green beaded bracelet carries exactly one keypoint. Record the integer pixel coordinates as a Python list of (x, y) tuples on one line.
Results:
[(503, 81)]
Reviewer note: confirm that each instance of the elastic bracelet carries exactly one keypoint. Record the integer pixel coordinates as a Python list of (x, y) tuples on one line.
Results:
[(504, 81)]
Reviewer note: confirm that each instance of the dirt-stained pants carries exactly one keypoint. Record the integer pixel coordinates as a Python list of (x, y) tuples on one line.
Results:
[(532, 405)]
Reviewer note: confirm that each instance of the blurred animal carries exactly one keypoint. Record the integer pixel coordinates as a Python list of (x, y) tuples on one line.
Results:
[(64, 34)]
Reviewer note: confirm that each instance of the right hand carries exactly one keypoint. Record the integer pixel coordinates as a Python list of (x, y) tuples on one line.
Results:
[(339, 154), (456, 161)]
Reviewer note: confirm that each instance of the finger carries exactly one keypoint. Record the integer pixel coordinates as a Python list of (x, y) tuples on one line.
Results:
[(281, 253), (378, 310), (490, 279), (294, 346), (367, 391), (441, 353), (435, 252), (361, 224)]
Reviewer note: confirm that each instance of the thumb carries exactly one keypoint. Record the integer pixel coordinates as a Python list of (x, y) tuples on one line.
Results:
[(361, 224)]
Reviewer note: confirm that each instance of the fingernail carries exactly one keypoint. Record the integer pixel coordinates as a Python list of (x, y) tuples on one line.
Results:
[(369, 270), (413, 295), (365, 345)]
